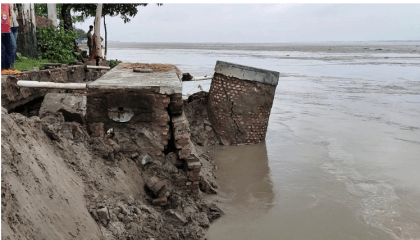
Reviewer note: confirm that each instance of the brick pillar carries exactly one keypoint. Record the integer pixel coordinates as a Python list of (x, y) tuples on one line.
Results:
[(240, 101)]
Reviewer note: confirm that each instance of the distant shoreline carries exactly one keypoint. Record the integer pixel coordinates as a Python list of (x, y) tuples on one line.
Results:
[(330, 47)]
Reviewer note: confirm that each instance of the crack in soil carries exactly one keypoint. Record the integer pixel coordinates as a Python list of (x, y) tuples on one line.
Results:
[(231, 114)]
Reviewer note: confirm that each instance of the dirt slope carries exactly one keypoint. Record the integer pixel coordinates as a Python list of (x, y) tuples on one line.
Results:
[(58, 183)]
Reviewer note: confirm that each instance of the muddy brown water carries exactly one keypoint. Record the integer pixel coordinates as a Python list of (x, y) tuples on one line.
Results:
[(341, 158)]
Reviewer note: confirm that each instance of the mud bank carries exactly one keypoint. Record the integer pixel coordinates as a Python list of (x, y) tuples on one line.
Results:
[(126, 158), (58, 182), (63, 178)]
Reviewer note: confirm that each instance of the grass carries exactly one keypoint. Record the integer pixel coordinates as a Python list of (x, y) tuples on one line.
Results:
[(26, 63)]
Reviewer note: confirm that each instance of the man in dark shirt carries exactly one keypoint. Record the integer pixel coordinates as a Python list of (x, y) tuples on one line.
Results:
[(90, 40)]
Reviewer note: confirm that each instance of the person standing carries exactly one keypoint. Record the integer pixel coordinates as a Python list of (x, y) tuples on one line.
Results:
[(13, 33), (89, 41), (6, 48)]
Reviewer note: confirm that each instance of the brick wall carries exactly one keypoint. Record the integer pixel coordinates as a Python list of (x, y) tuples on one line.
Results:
[(147, 131), (187, 153), (43, 22), (239, 110)]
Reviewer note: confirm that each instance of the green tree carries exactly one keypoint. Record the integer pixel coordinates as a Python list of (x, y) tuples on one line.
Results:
[(80, 33)]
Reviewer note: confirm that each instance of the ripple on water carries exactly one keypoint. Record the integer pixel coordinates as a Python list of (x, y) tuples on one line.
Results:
[(379, 204)]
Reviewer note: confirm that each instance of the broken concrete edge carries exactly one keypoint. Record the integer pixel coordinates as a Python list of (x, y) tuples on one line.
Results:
[(72, 106), (13, 95), (247, 73), (120, 78)]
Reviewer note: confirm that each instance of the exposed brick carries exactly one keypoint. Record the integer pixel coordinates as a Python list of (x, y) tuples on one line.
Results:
[(155, 184), (236, 106), (193, 165), (160, 201)]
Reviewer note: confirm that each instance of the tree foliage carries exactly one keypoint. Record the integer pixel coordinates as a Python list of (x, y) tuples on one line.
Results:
[(42, 10), (57, 44), (80, 33), (124, 11)]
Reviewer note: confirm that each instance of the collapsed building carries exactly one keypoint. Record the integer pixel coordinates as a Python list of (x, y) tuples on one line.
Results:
[(140, 151)]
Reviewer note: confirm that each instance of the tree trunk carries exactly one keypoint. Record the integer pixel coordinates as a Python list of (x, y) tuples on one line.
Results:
[(106, 40), (65, 14), (97, 34), (52, 12)]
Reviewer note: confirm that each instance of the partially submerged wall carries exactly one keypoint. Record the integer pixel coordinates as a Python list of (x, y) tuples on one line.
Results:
[(240, 101)]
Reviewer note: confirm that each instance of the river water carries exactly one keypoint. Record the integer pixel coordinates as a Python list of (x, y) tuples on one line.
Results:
[(341, 158)]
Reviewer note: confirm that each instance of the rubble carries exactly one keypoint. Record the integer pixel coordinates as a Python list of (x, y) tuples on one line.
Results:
[(176, 217), (72, 106), (155, 185), (201, 129), (65, 166)]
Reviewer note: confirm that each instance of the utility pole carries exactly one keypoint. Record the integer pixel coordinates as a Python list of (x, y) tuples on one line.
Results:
[(97, 35)]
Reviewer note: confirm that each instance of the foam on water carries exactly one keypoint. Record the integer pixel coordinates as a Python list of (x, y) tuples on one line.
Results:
[(380, 206)]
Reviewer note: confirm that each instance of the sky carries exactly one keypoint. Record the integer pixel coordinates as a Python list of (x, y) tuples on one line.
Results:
[(266, 23)]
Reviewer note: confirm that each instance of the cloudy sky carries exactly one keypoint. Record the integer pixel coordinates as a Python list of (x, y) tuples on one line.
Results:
[(265, 23)]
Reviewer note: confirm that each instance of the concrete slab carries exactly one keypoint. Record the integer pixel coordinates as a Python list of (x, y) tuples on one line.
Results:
[(122, 77), (247, 73), (72, 106)]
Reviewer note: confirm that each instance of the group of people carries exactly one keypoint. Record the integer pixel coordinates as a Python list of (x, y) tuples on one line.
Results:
[(9, 28)]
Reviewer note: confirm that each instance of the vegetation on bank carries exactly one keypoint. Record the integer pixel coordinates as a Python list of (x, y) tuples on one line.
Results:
[(57, 46), (113, 63), (25, 63)]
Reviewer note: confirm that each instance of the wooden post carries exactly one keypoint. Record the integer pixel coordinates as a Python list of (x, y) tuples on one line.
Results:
[(97, 33)]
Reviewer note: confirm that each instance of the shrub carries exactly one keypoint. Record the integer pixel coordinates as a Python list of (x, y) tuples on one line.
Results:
[(57, 44), (113, 63)]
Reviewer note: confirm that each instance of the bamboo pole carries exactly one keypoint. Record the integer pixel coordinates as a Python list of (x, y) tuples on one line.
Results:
[(36, 84), (106, 40)]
